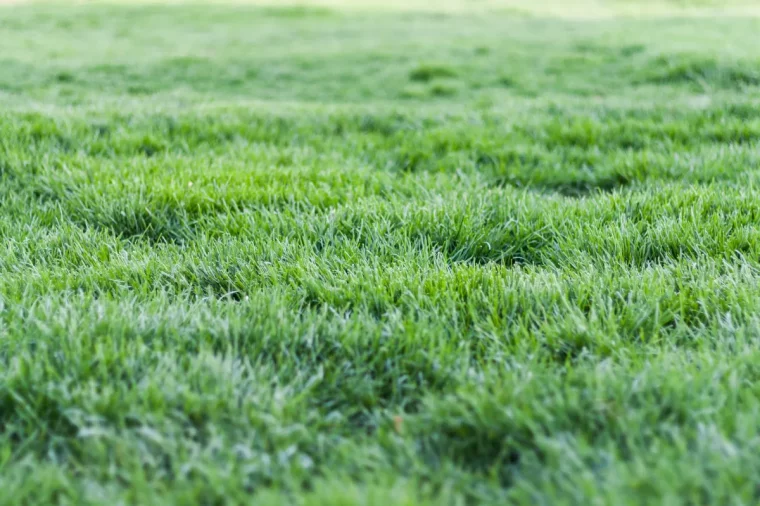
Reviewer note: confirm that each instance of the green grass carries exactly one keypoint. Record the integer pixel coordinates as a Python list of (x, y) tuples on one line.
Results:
[(346, 253)]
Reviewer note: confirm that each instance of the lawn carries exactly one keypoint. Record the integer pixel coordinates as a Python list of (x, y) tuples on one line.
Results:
[(380, 253)]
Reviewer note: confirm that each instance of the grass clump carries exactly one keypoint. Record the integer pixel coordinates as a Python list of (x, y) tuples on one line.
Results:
[(428, 72)]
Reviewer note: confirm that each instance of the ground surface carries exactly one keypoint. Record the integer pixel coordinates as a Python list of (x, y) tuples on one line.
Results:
[(488, 252)]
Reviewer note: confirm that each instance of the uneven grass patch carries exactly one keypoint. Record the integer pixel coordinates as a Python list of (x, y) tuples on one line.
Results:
[(281, 253)]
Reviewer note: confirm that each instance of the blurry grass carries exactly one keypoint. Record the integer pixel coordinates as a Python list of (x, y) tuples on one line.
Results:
[(330, 255), (574, 8)]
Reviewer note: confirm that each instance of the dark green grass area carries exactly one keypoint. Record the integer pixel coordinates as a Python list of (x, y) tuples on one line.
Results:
[(334, 256)]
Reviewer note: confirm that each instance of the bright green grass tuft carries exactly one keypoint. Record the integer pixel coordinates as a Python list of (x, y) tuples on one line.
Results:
[(338, 253)]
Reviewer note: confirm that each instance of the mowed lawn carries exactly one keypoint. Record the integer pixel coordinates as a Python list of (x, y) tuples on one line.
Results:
[(368, 253)]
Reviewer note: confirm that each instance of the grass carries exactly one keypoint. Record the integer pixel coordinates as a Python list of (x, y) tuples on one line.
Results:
[(350, 253)]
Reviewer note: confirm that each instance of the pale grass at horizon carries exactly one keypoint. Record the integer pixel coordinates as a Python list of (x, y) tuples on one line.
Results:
[(580, 9)]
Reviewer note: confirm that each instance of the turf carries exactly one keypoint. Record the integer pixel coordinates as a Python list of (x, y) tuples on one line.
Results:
[(343, 253)]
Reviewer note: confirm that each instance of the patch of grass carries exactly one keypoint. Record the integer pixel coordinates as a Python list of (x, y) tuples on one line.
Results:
[(503, 253), (702, 73), (427, 72)]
